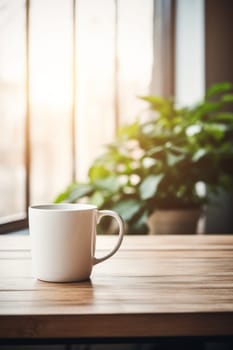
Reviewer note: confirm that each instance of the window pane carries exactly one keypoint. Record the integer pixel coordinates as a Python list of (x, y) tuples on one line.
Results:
[(135, 53), (51, 87), (12, 110), (190, 55), (96, 65), (95, 86)]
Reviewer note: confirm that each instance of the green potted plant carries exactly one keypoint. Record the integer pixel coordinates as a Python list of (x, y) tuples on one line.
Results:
[(158, 165)]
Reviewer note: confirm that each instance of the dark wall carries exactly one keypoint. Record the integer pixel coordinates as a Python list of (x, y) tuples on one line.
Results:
[(219, 67), (219, 40)]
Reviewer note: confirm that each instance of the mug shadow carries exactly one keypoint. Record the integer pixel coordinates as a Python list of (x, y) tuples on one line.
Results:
[(66, 293)]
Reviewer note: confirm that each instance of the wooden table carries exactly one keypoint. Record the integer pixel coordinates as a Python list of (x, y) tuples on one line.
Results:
[(155, 286)]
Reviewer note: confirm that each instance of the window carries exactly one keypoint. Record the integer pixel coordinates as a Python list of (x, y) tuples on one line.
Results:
[(190, 54), (70, 72), (12, 111)]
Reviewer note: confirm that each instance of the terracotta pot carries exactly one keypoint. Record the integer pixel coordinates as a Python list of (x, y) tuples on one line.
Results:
[(178, 221)]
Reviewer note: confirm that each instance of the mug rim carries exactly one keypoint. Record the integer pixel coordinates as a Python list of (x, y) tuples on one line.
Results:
[(53, 207)]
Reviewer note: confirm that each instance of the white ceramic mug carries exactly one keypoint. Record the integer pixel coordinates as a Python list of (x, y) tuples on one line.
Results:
[(63, 240)]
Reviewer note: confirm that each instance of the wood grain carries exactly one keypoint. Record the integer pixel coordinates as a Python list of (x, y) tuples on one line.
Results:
[(154, 286)]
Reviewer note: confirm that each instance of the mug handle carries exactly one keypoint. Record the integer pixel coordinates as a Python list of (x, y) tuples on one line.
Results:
[(100, 214)]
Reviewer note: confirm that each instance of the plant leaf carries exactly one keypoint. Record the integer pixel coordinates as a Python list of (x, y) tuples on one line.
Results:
[(227, 98), (148, 187), (97, 199), (218, 88), (178, 149), (139, 224), (206, 108), (98, 172), (73, 192), (82, 190), (163, 105), (128, 208), (62, 197), (110, 183), (199, 154), (217, 130), (128, 131), (224, 116), (173, 159), (155, 150), (155, 100)]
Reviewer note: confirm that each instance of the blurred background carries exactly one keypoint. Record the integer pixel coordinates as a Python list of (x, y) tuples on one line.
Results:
[(70, 74)]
